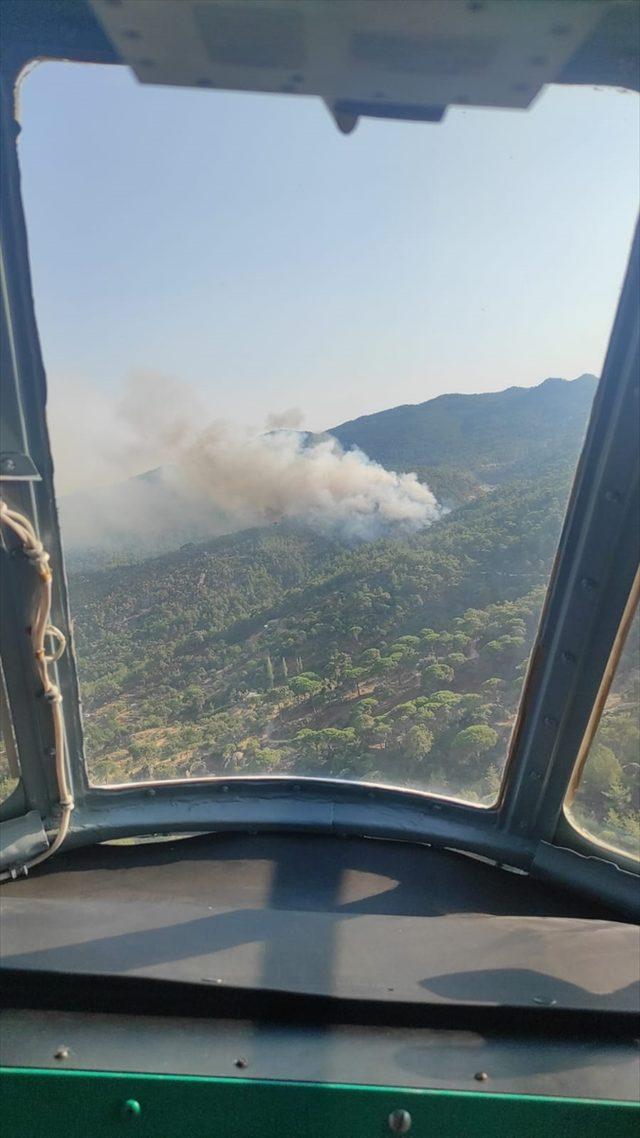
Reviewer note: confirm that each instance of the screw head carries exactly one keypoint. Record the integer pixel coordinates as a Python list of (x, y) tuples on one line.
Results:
[(131, 1108), (400, 1121), (481, 1076), (241, 1063), (61, 1053)]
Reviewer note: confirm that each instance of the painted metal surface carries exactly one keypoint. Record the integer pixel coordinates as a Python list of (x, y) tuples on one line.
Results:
[(373, 1055), (74, 1105), (381, 58), (23, 838), (16, 467)]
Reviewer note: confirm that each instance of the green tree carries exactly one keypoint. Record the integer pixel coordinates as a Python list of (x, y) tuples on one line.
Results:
[(353, 676), (339, 663), (473, 742), (305, 686), (435, 676), (418, 742)]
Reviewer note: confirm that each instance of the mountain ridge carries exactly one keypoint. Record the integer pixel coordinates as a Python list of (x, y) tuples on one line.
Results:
[(430, 433), (588, 377), (459, 444)]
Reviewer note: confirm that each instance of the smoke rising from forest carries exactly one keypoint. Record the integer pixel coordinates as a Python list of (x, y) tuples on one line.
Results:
[(216, 478), (286, 475)]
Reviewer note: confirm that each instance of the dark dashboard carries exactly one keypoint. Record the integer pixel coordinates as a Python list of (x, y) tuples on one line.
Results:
[(310, 958)]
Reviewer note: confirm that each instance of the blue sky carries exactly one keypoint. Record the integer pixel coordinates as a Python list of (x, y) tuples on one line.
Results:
[(242, 245)]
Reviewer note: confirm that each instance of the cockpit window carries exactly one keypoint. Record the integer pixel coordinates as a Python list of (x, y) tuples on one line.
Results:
[(315, 405), (605, 799)]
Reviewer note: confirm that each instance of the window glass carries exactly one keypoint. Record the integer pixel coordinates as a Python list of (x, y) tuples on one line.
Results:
[(315, 405), (9, 765), (606, 804)]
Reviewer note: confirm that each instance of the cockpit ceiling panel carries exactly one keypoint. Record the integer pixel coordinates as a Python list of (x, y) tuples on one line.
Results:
[(391, 58)]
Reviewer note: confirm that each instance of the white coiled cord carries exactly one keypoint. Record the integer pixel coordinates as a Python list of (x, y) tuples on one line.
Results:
[(41, 628)]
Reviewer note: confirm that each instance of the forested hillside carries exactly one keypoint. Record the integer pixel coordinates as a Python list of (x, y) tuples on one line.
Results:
[(280, 650), (492, 436), (216, 658)]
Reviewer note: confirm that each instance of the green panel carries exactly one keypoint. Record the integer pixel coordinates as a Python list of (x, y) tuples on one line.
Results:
[(76, 1104)]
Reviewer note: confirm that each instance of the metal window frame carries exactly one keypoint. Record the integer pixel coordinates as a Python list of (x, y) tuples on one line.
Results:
[(593, 573)]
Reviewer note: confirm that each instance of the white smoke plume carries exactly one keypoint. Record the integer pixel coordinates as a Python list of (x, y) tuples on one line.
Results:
[(313, 481), (291, 419), (217, 478)]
